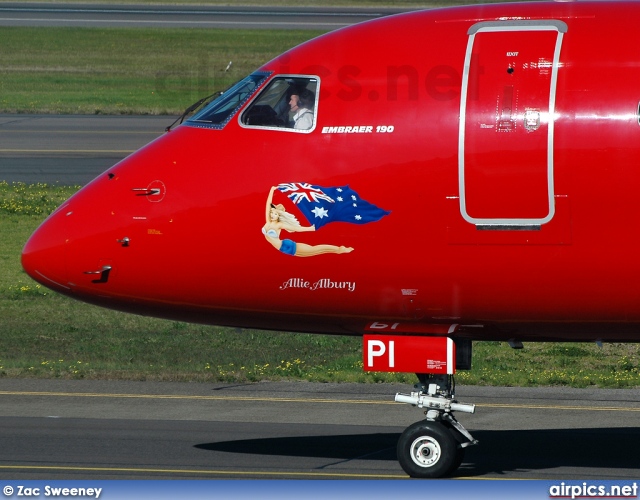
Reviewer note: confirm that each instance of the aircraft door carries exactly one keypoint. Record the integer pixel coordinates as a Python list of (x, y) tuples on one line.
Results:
[(505, 144)]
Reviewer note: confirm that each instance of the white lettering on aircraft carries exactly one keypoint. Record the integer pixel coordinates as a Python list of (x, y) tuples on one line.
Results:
[(377, 348), (318, 285), (359, 129)]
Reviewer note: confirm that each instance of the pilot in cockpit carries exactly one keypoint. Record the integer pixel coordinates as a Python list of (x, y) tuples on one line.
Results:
[(301, 104), (287, 103)]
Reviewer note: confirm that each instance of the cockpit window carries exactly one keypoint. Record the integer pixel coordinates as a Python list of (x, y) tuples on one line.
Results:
[(287, 103), (219, 111)]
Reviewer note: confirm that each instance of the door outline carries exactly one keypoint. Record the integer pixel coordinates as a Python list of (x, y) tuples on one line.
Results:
[(501, 26)]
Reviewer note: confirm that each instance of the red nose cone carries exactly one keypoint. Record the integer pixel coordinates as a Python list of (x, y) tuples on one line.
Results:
[(44, 255)]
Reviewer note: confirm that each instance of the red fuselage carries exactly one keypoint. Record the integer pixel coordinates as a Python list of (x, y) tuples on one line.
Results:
[(494, 153)]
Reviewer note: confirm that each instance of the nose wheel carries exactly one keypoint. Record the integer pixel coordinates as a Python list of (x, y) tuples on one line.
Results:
[(434, 447), (427, 450)]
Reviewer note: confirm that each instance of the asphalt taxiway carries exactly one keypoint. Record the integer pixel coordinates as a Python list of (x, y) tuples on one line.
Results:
[(70, 149), (54, 429)]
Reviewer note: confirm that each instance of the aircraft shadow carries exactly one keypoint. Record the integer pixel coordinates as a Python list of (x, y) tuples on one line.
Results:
[(596, 448), (498, 451), (379, 446)]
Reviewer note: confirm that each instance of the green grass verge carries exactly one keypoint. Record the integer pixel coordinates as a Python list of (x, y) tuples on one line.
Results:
[(44, 334), (128, 71)]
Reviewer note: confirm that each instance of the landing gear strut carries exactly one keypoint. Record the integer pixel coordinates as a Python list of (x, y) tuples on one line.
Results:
[(434, 447)]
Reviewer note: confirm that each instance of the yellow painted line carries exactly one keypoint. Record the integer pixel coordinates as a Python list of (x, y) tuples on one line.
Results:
[(235, 473), (203, 472), (193, 397), (558, 407), (300, 400)]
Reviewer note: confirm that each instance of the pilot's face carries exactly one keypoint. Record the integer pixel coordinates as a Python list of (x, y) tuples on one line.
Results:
[(294, 102)]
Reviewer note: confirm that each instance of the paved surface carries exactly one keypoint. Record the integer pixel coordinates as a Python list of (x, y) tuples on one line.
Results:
[(53, 429), (70, 149), (170, 16)]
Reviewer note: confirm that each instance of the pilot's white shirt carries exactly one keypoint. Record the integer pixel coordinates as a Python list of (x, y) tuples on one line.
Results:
[(303, 119)]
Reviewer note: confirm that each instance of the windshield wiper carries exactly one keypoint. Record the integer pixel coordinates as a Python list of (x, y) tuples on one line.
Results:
[(193, 107)]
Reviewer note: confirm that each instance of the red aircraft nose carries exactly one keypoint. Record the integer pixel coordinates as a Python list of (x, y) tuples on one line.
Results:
[(44, 254)]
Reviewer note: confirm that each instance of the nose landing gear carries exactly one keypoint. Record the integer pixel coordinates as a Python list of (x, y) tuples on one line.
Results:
[(434, 447)]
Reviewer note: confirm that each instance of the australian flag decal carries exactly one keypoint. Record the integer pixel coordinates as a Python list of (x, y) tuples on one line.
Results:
[(322, 205)]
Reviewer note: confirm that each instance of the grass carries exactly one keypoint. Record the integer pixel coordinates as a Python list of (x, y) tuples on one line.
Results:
[(95, 71), (44, 334)]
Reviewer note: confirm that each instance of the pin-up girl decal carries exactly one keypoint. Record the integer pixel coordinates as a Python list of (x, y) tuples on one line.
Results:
[(319, 205), (277, 219)]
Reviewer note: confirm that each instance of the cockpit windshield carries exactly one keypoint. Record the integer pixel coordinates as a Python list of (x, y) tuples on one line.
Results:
[(286, 103), (219, 111)]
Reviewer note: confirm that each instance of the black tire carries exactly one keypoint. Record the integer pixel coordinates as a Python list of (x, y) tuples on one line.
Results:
[(427, 450), (458, 460), (459, 449)]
